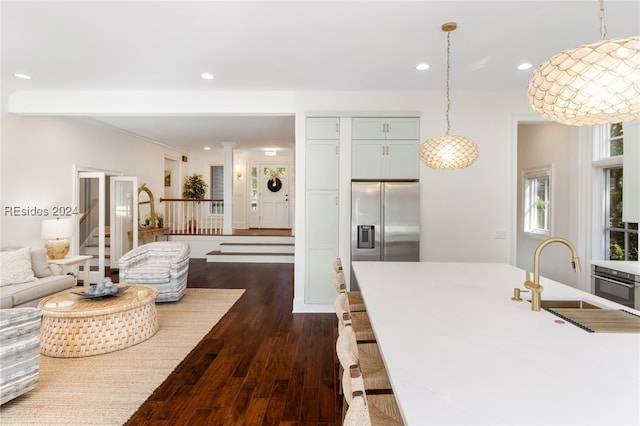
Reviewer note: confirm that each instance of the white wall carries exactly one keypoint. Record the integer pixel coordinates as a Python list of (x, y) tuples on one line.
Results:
[(38, 159), (539, 145)]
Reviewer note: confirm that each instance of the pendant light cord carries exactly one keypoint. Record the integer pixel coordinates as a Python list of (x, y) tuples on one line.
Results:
[(448, 70), (603, 26)]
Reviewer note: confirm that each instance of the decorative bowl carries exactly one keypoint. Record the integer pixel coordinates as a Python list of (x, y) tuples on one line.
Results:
[(86, 295)]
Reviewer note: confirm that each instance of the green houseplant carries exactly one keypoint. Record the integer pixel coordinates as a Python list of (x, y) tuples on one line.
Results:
[(195, 188)]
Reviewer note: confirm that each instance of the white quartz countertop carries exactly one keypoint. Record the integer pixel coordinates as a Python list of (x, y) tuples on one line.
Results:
[(630, 267), (459, 351)]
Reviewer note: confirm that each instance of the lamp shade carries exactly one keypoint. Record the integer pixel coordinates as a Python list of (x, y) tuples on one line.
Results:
[(56, 229), (598, 83), (449, 152)]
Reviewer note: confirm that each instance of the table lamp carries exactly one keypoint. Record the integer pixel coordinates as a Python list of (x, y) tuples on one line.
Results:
[(55, 231)]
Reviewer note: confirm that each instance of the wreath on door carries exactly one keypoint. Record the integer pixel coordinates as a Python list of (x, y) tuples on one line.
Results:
[(274, 184)]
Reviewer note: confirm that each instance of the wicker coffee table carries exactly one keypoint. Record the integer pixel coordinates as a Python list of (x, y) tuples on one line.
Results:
[(75, 327)]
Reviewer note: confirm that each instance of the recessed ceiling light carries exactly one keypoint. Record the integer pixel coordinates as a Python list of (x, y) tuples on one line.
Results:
[(270, 153), (524, 66), (423, 67), (207, 76), (207, 148), (22, 76)]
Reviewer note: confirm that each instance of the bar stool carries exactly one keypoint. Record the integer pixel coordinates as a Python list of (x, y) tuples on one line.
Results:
[(366, 357), (359, 320), (356, 302), (360, 409)]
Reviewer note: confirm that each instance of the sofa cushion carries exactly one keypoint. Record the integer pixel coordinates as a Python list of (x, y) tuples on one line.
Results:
[(15, 266), (39, 263), (18, 294), (149, 274)]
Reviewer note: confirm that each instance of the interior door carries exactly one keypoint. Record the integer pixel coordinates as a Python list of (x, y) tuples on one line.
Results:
[(92, 205), (274, 196), (123, 235)]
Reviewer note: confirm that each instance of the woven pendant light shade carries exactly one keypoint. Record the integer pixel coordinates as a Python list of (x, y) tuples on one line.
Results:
[(597, 83), (450, 152)]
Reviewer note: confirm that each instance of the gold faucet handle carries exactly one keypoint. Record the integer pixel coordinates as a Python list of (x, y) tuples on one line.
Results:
[(516, 294), (575, 264), (527, 275)]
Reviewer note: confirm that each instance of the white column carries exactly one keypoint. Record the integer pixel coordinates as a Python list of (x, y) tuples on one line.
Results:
[(228, 187)]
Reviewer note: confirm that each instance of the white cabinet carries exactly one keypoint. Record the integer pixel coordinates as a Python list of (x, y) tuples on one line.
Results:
[(385, 148), (323, 128), (371, 159), (385, 128), (321, 245), (322, 172), (631, 172), (322, 165)]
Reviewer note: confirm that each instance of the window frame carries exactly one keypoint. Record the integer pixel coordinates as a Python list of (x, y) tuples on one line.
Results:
[(602, 164), (216, 208), (529, 216)]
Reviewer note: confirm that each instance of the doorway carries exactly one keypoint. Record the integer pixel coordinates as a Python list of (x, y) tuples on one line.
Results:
[(273, 195), (107, 205)]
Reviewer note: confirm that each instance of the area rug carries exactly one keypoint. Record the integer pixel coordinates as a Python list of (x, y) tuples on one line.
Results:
[(107, 389)]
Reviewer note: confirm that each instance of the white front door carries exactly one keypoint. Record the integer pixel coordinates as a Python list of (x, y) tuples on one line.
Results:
[(274, 197)]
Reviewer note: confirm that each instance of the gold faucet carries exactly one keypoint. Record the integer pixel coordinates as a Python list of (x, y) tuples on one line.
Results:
[(535, 287)]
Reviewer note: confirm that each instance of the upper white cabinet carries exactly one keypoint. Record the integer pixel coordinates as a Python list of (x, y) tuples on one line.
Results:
[(385, 128), (385, 148), (631, 172), (322, 166), (371, 159), (323, 128)]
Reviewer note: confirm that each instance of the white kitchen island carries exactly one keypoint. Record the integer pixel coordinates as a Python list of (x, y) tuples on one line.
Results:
[(459, 351)]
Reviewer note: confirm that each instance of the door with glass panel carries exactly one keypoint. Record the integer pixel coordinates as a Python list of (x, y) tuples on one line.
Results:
[(123, 221), (92, 220)]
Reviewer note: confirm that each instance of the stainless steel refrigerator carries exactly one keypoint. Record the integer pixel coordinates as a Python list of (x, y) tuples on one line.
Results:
[(385, 222)]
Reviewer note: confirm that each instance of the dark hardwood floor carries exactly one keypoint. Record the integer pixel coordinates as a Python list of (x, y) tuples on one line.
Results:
[(260, 365)]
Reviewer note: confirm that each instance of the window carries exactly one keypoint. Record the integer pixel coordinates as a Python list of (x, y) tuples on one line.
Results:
[(254, 189), (217, 189), (620, 238), (537, 201)]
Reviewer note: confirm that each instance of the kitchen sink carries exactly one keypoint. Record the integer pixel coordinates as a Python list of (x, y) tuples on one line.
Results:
[(593, 318), (568, 304)]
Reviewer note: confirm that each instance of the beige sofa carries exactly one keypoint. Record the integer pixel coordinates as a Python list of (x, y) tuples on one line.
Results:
[(26, 278)]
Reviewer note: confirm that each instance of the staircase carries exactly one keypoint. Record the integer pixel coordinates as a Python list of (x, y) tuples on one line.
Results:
[(90, 247), (253, 249)]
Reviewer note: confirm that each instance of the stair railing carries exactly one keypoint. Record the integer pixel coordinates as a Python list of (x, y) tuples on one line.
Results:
[(185, 216)]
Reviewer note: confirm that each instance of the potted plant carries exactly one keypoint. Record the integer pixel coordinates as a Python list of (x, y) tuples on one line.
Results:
[(159, 220), (195, 188)]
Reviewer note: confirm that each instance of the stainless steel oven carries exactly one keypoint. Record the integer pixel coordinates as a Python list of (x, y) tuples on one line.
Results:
[(617, 286)]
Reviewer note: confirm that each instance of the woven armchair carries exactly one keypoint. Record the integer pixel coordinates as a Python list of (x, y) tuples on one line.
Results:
[(163, 264)]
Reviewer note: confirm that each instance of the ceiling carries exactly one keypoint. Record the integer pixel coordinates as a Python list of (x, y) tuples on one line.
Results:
[(284, 46)]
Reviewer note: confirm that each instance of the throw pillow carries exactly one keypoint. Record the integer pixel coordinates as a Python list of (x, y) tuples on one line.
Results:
[(39, 263), (15, 266)]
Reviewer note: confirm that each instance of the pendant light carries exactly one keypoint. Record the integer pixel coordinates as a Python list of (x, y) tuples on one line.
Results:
[(597, 83), (448, 152)]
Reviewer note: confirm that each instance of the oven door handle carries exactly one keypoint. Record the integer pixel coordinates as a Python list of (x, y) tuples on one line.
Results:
[(598, 277)]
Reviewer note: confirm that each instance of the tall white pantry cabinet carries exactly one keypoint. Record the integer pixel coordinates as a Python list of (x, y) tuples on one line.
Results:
[(382, 148), (322, 211)]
